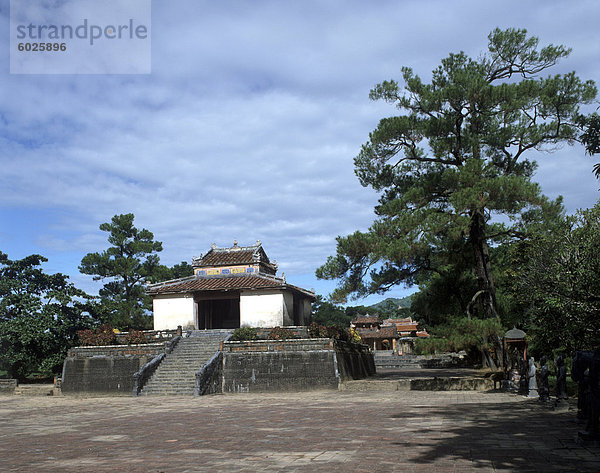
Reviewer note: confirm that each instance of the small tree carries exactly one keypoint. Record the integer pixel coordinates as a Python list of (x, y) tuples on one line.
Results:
[(127, 264)]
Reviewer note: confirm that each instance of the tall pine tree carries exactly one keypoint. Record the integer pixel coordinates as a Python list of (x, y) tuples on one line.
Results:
[(456, 157), (127, 264)]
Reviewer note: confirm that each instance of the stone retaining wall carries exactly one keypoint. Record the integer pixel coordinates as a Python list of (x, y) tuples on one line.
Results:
[(292, 365), (106, 370), (147, 349), (299, 331), (7, 386), (151, 335)]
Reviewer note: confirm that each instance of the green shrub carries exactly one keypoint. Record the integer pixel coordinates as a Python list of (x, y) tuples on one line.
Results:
[(337, 332), (333, 331), (470, 335), (102, 336), (354, 336), (316, 330), (280, 333), (244, 333), (135, 337), (432, 346)]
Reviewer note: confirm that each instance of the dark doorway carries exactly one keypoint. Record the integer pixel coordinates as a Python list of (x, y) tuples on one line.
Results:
[(219, 313), (298, 315)]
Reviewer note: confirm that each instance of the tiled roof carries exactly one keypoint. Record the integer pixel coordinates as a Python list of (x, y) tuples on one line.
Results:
[(233, 256), (196, 284), (406, 320), (404, 326), (407, 327), (362, 319), (384, 332), (217, 258)]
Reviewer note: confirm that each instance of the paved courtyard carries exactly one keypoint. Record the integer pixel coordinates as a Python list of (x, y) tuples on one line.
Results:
[(296, 432)]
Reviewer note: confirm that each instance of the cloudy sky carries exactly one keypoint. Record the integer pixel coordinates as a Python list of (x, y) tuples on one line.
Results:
[(246, 127)]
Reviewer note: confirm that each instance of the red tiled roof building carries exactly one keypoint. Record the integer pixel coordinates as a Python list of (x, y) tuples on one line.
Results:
[(230, 287), (384, 335)]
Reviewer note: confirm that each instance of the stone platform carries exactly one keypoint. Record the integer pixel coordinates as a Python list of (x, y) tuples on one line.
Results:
[(321, 431), (419, 379)]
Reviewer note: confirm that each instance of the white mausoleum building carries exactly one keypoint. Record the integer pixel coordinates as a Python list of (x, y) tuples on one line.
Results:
[(230, 288)]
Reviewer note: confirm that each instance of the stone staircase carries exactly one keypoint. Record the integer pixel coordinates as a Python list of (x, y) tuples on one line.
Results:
[(176, 375), (387, 359), (36, 390)]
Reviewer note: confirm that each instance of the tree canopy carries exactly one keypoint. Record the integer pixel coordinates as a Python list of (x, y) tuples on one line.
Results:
[(454, 161), (165, 273), (591, 137), (40, 315), (557, 279), (130, 260)]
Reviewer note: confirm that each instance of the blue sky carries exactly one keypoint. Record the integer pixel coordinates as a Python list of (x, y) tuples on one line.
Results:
[(247, 126)]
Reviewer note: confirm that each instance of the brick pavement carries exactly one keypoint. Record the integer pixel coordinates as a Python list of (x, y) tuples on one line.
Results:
[(292, 432)]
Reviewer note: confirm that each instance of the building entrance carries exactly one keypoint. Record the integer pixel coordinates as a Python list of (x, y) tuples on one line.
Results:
[(218, 313)]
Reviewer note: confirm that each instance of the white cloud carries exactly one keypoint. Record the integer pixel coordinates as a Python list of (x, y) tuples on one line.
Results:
[(248, 124)]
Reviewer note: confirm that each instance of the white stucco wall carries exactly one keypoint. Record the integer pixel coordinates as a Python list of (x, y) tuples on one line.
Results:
[(171, 311), (261, 309)]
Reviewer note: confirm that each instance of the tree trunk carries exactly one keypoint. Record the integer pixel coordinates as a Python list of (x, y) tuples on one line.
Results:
[(483, 271), (483, 268)]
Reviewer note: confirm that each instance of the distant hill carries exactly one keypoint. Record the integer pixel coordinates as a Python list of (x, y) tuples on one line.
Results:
[(404, 303)]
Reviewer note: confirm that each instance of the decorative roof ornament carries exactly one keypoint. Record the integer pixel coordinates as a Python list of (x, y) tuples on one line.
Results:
[(237, 255)]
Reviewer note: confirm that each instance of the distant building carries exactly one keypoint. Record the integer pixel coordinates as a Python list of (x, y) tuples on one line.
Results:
[(386, 335), (406, 327), (231, 287), (373, 334)]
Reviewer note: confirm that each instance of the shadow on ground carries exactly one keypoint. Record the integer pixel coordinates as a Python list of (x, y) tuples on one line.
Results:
[(520, 436)]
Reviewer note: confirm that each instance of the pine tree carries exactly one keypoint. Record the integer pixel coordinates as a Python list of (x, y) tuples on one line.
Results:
[(455, 158)]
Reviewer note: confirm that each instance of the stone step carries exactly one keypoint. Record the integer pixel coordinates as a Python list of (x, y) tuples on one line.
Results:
[(172, 381), (186, 360), (176, 375), (35, 390), (177, 382), (193, 357), (420, 384), (174, 371), (163, 379), (396, 363), (195, 352), (185, 383)]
